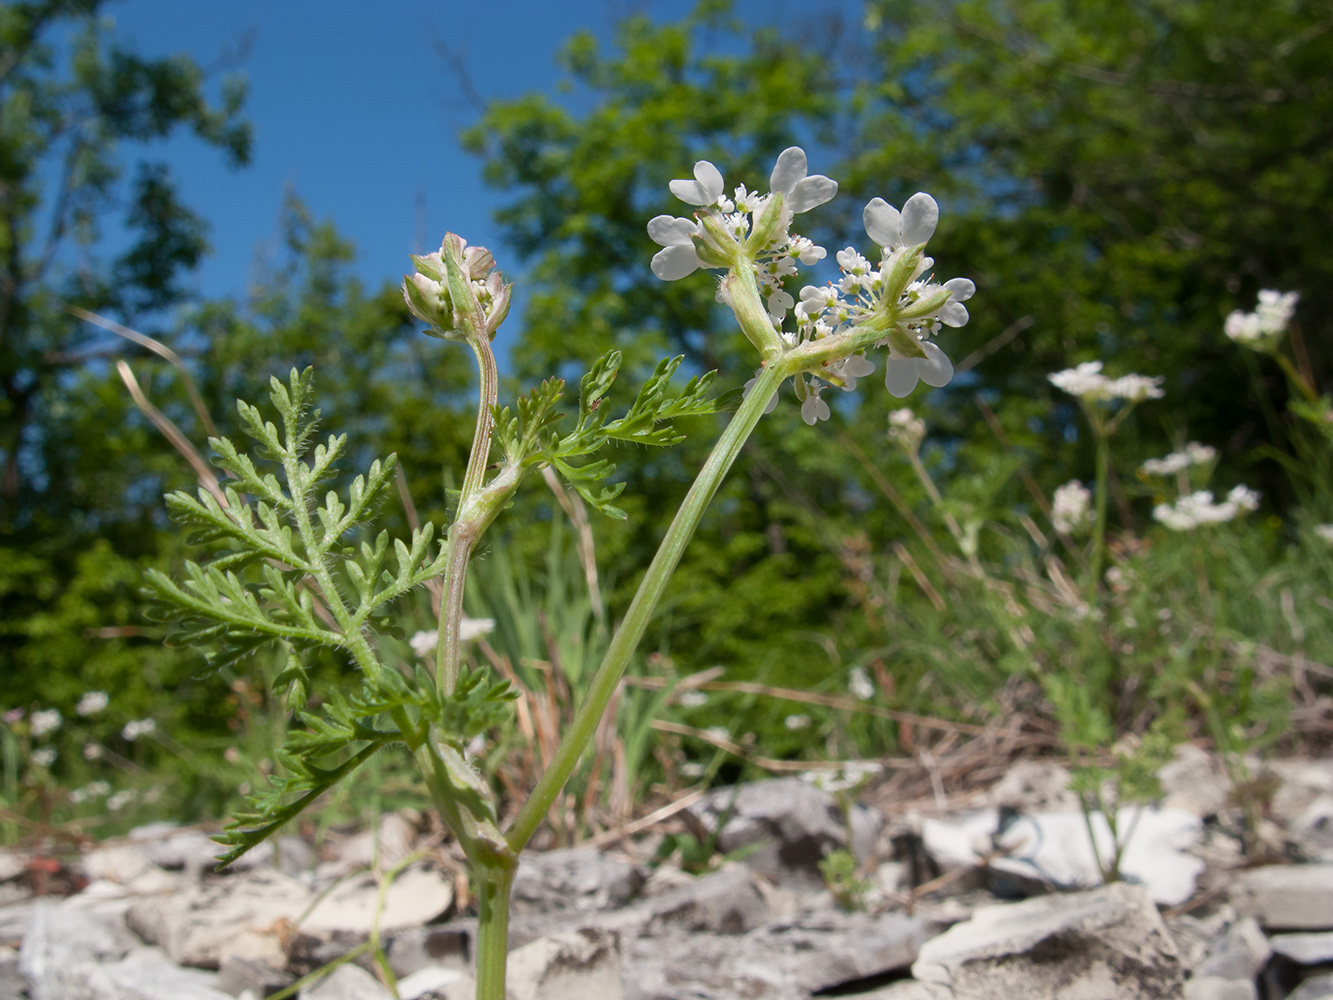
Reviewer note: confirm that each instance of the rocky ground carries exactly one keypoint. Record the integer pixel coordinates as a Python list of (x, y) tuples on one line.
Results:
[(996, 897)]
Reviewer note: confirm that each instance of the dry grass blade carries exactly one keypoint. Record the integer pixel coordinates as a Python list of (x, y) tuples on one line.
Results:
[(172, 433), (577, 513), (158, 348), (768, 763), (900, 550)]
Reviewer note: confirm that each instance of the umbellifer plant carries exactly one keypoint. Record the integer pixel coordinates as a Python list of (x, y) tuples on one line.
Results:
[(302, 572)]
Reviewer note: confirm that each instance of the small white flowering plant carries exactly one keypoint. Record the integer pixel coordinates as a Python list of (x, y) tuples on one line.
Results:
[(304, 568)]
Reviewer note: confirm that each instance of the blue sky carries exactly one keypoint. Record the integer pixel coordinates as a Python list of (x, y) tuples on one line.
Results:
[(354, 108)]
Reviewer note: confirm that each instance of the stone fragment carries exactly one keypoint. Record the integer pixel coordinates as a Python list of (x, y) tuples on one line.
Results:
[(575, 966), (1314, 988), (1304, 949), (413, 948), (1220, 988), (130, 867), (908, 989), (821, 951), (348, 982), (1286, 897), (1300, 784), (11, 980), (59, 941), (1195, 781), (1054, 848), (793, 823), (12, 864), (14, 920), (145, 974), (1034, 786), (394, 841), (1312, 831), (433, 979), (243, 915), (417, 896), (726, 901), (237, 974), (1105, 944), (579, 878), (1240, 953)]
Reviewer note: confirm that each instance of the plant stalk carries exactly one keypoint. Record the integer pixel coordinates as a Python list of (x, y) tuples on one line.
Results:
[(493, 884), (604, 683)]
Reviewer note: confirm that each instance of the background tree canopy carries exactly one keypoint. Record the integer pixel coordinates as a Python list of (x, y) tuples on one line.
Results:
[(1115, 178)]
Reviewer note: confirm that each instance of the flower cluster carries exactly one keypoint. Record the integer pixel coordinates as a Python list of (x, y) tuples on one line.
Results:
[(1324, 531), (1195, 509), (424, 643), (906, 430), (139, 727), (92, 702), (428, 294), (43, 722), (1263, 328), (1089, 384), (92, 790), (894, 298), (1071, 508), (1179, 461)]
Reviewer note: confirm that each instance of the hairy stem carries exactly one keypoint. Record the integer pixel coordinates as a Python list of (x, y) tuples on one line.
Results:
[(580, 732)]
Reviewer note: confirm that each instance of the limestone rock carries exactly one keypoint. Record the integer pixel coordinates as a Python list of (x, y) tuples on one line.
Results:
[(722, 902), (59, 941), (1105, 944), (579, 878), (349, 982), (145, 974), (413, 948), (1034, 786), (237, 974), (1195, 781), (1304, 949), (1315, 988), (574, 966), (130, 867), (1219, 988), (417, 896), (1287, 897), (1239, 954), (244, 915)]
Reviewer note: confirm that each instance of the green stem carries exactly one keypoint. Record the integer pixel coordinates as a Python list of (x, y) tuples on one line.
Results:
[(1099, 525), (468, 522), (493, 886), (603, 687)]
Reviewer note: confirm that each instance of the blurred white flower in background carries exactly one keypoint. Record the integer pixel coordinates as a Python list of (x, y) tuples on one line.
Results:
[(424, 643), (44, 757), (46, 721), (1179, 461), (859, 684), (692, 699), (1263, 328), (139, 727), (1198, 508), (1324, 531), (92, 702), (1071, 508), (795, 722)]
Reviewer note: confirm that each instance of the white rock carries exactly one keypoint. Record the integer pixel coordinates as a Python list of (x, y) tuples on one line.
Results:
[(243, 915), (1240, 953), (427, 980), (349, 982), (147, 974), (59, 940), (1033, 786), (1304, 949), (1195, 781), (1218, 988), (579, 878), (579, 965), (1314, 988), (1106, 944), (1286, 897), (1301, 782), (130, 867), (12, 865), (1054, 847), (396, 839), (417, 896), (1313, 830)]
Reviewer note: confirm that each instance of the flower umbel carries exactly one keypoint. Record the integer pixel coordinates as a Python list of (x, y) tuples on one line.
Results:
[(1263, 328)]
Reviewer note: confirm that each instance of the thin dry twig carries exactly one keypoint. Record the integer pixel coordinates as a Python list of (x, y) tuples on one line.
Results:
[(172, 433)]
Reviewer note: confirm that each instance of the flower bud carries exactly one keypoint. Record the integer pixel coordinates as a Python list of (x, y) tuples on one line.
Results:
[(771, 226), (714, 245), (499, 309), (429, 302), (477, 263)]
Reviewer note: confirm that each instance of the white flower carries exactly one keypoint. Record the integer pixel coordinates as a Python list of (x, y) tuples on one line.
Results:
[(1262, 328), (92, 751), (814, 409), (44, 722), (1071, 508), (901, 373), (1087, 382), (140, 727), (121, 799), (795, 722), (92, 702), (799, 192), (424, 643), (677, 236), (859, 684), (719, 734), (92, 790), (44, 757), (1324, 531), (692, 769), (1179, 461), (892, 229), (1198, 508), (692, 699), (906, 429), (844, 373)]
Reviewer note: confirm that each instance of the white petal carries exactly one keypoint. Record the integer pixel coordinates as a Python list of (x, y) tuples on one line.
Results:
[(858, 366), (920, 217), (900, 376), (676, 262), (953, 314), (883, 223), (670, 231), (790, 169), (811, 193), (710, 178), (962, 288), (935, 369)]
